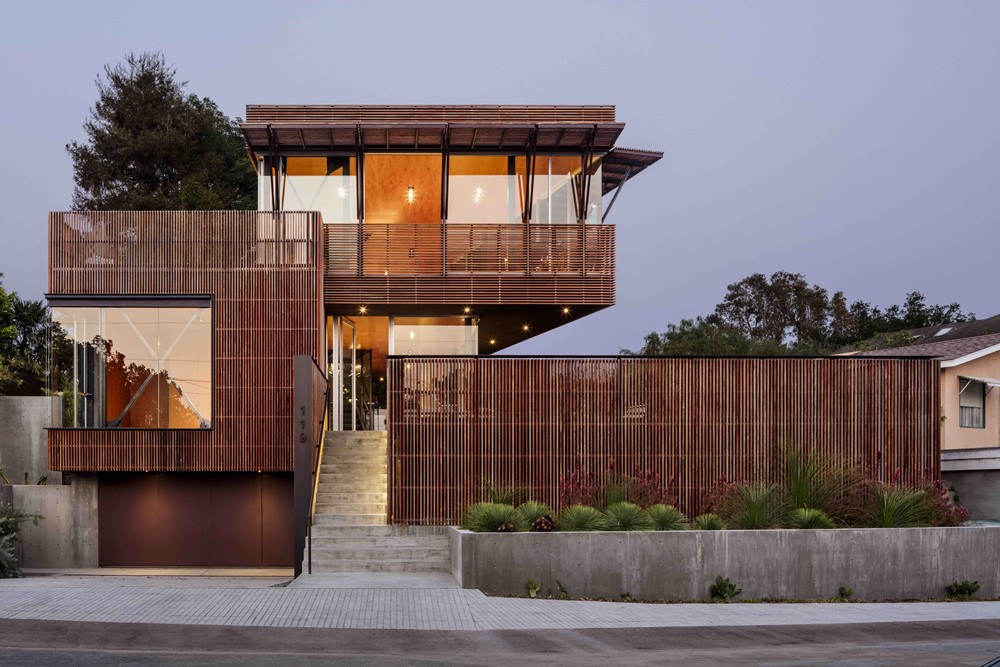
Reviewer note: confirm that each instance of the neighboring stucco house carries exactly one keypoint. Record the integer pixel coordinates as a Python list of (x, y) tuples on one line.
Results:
[(970, 413)]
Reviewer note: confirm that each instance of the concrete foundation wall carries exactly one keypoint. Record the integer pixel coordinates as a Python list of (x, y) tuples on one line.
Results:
[(67, 536), (878, 564), (23, 439), (978, 491)]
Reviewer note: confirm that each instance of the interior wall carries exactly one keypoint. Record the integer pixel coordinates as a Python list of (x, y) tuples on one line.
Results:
[(196, 519)]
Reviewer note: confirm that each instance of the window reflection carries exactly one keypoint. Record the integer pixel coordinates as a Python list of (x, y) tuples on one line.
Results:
[(134, 367), (486, 188)]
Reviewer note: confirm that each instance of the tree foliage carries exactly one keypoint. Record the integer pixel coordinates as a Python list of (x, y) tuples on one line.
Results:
[(784, 314), (151, 146)]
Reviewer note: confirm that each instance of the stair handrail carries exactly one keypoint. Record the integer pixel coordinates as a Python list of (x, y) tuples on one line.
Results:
[(316, 471)]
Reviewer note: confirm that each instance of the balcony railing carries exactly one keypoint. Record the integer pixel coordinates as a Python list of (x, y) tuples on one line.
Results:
[(407, 249)]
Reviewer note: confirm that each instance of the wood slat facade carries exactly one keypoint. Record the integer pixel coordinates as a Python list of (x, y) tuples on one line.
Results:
[(264, 273), (454, 422), (469, 263)]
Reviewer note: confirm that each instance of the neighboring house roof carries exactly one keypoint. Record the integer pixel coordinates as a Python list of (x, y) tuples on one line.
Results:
[(939, 332), (952, 352)]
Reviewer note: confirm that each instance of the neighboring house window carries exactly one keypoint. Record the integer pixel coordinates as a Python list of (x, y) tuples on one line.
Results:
[(971, 404), (133, 364)]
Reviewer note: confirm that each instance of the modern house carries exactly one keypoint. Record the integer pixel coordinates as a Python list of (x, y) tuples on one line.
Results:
[(399, 248)]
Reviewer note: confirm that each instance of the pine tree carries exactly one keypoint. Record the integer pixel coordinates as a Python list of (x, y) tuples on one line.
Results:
[(151, 146)]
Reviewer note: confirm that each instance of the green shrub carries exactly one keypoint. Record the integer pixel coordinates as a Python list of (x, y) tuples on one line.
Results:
[(615, 491), (627, 516), (809, 519), (493, 518), (667, 517), (533, 509), (812, 480), (723, 590), (533, 588), (11, 519), (708, 521), (752, 506), (962, 590), (581, 518), (502, 494), (897, 507), (845, 593)]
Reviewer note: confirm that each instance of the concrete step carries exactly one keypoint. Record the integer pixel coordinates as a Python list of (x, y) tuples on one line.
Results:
[(380, 553), (374, 541), (348, 477), (400, 565), (372, 519), (373, 497), (361, 458), (353, 468), (323, 528), (352, 486), (350, 508)]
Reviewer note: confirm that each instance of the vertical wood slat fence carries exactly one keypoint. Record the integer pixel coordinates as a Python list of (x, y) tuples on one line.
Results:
[(456, 422), (264, 271)]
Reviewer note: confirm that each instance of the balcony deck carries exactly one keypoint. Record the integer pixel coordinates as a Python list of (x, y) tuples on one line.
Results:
[(486, 264)]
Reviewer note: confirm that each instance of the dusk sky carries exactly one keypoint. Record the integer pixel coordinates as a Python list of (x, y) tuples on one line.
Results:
[(855, 142)]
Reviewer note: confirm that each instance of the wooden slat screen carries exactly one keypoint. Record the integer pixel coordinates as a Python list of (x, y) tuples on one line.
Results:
[(470, 263), (454, 422), (264, 271)]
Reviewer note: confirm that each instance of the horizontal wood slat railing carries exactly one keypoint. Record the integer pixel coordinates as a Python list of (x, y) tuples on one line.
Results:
[(455, 422), (477, 263), (264, 272)]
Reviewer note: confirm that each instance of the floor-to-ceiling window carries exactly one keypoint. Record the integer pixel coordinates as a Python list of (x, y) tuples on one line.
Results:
[(134, 366)]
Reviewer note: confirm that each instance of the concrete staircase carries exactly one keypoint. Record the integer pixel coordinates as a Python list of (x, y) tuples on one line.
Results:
[(349, 532)]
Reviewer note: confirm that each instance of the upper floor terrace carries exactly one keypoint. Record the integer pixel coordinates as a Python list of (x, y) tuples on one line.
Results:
[(447, 205)]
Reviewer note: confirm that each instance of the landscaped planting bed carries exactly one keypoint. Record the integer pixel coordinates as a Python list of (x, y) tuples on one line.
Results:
[(810, 528)]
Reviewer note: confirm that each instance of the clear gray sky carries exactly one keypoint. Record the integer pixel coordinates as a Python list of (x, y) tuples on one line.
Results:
[(855, 142)]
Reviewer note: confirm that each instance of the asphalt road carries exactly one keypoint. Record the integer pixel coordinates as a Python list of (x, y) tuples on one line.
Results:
[(57, 643)]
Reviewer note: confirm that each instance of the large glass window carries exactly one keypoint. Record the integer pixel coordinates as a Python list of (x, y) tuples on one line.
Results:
[(486, 188), (557, 182), (432, 336), (327, 184), (134, 367), (403, 187)]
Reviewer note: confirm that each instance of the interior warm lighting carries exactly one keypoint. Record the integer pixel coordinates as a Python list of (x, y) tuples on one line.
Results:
[(524, 327), (493, 341), (363, 309), (342, 192), (565, 310), (381, 379), (413, 334), (467, 310), (479, 195), (410, 194)]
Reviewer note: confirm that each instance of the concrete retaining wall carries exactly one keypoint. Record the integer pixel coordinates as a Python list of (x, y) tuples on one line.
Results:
[(67, 536), (878, 564), (23, 440)]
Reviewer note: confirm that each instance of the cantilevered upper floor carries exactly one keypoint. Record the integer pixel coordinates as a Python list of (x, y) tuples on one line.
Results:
[(496, 206)]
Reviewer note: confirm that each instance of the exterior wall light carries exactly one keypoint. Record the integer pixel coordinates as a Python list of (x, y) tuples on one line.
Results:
[(524, 327), (565, 310), (363, 309)]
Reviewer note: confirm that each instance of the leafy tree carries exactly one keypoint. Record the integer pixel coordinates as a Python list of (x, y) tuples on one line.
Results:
[(784, 314), (151, 146)]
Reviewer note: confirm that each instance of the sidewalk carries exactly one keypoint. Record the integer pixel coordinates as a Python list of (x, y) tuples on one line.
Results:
[(208, 601)]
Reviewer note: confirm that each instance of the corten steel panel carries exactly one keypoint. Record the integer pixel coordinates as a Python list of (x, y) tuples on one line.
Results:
[(277, 525), (195, 519), (455, 422), (264, 273), (480, 264)]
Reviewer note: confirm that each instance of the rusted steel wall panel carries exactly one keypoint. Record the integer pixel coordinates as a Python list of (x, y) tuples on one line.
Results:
[(455, 422), (264, 272)]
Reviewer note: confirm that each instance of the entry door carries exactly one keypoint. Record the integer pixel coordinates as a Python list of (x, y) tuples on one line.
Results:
[(348, 375)]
